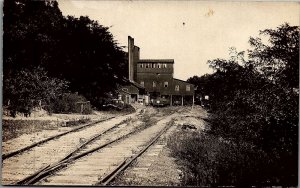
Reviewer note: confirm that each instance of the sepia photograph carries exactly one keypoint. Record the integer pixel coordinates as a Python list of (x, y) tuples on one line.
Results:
[(150, 93)]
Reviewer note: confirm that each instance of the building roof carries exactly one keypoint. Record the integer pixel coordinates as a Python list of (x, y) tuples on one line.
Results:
[(137, 85), (133, 83), (156, 61), (182, 81)]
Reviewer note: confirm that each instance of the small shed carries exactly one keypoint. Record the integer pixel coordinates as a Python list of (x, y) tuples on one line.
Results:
[(83, 107)]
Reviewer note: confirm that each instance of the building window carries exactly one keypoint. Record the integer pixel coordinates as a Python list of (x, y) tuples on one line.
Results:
[(141, 65), (143, 83), (154, 84), (177, 88), (149, 65), (158, 65), (146, 65), (165, 65), (188, 88), (166, 84), (154, 65)]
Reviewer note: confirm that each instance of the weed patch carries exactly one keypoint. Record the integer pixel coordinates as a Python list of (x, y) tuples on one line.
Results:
[(206, 160), (77, 122), (15, 128)]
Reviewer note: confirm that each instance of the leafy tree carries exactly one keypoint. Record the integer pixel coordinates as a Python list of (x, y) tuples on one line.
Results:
[(30, 33), (255, 105), (202, 84), (78, 50), (25, 88), (89, 58), (279, 59)]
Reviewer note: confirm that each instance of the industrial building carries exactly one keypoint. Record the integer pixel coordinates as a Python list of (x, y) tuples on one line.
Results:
[(153, 78)]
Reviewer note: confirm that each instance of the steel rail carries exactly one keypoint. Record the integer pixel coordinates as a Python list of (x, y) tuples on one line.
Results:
[(125, 164), (68, 156), (30, 180), (11, 154)]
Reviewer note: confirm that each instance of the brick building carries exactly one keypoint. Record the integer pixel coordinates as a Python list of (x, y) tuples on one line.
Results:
[(156, 77)]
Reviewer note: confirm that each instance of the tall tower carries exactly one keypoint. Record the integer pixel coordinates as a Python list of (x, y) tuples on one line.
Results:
[(133, 58), (130, 57)]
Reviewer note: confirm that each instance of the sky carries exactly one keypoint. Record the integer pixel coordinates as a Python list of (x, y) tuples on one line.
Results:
[(190, 32)]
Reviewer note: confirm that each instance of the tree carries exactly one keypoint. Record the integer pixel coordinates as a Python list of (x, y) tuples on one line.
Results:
[(25, 88), (78, 50), (202, 84), (255, 106), (30, 33), (279, 59), (89, 58)]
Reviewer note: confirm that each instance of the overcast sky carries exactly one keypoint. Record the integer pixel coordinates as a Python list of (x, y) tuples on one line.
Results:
[(190, 32)]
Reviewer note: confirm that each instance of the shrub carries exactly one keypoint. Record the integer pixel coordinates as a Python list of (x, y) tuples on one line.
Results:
[(128, 108), (207, 160), (76, 122), (67, 104), (25, 89), (196, 155), (255, 106)]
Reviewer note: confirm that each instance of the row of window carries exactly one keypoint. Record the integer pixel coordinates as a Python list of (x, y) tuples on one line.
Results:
[(153, 65), (166, 84)]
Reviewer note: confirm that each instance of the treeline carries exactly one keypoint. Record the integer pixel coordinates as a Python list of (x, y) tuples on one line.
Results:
[(46, 54), (253, 136)]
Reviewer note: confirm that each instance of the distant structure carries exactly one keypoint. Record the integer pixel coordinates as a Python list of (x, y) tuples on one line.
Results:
[(155, 76)]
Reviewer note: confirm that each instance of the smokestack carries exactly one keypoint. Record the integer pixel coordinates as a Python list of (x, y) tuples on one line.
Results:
[(136, 58), (130, 58), (133, 58)]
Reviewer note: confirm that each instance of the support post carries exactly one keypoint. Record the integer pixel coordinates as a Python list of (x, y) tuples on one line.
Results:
[(81, 108), (171, 100), (181, 100), (193, 102)]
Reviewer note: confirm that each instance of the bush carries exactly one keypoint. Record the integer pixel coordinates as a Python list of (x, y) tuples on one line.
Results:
[(207, 160), (128, 108), (255, 106), (76, 122), (67, 104), (25, 89), (268, 119), (196, 155)]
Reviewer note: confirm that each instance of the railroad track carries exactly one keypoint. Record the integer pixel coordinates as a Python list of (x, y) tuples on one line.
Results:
[(94, 150), (29, 160), (150, 168), (127, 162), (19, 151)]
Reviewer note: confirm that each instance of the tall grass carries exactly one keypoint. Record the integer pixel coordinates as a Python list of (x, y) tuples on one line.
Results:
[(15, 128), (206, 160)]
